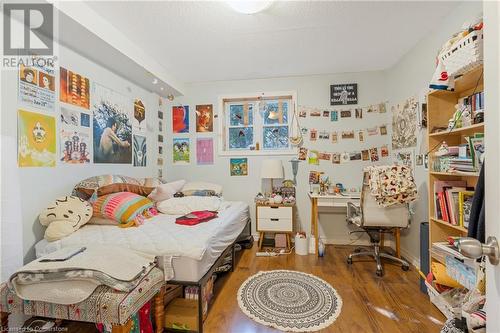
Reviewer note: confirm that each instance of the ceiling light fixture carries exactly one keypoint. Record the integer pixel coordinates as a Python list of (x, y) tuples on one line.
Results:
[(249, 7), (155, 81)]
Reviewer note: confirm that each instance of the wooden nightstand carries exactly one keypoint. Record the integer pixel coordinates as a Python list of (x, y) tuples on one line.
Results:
[(275, 218)]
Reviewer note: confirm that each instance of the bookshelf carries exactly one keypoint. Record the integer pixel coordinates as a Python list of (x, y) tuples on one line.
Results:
[(440, 108)]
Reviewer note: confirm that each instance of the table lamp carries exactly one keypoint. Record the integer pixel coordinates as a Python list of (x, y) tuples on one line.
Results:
[(271, 169)]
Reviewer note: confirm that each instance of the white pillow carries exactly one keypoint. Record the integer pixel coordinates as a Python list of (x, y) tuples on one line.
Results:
[(201, 186), (166, 191), (186, 205)]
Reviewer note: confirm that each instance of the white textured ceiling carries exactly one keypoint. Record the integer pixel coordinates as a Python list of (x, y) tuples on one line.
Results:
[(208, 41)]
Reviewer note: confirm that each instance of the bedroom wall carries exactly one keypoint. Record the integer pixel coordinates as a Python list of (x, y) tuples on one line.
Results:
[(312, 91), (26, 191), (410, 77)]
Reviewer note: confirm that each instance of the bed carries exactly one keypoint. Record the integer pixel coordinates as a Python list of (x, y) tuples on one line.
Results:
[(186, 253)]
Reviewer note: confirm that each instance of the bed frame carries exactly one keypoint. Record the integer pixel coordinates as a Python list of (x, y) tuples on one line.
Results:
[(200, 283)]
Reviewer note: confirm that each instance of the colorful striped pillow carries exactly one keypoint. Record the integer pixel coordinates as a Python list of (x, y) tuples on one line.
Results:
[(126, 208)]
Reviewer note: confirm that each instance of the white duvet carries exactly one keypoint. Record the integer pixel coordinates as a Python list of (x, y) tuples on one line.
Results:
[(186, 205), (159, 235)]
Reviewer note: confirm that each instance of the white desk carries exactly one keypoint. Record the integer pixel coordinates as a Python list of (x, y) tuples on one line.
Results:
[(329, 200)]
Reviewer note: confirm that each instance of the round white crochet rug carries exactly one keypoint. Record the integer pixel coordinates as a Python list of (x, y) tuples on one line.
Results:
[(289, 301)]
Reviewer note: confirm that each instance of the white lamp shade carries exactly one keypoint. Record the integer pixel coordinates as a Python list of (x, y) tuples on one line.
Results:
[(271, 169)]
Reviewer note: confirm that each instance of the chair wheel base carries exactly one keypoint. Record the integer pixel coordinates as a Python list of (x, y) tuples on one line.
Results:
[(405, 268), (349, 261), (379, 272)]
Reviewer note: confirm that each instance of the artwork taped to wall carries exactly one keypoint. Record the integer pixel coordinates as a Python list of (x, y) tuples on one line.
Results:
[(160, 115), (84, 119), (347, 135), (384, 151), (334, 115), (361, 136), (325, 156), (36, 86), (404, 124), (181, 151), (36, 137), (355, 156), (336, 158), (160, 138), (238, 166), (140, 151), (383, 130), (374, 154), (323, 135), (159, 161), (302, 111), (74, 88), (302, 155), (180, 119), (405, 158), (313, 157), (160, 126), (344, 94), (112, 126), (70, 117), (419, 160), (204, 118), (315, 113), (314, 177), (359, 113), (304, 130), (75, 145), (372, 130), (204, 151), (313, 134), (160, 150), (344, 157), (326, 113), (138, 122), (345, 114), (335, 137), (365, 155)]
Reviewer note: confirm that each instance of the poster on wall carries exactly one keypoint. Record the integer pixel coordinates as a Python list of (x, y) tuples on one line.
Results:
[(74, 88), (344, 94), (180, 119), (180, 150), (75, 145), (204, 118), (238, 166), (36, 137), (404, 124), (112, 126), (204, 151), (138, 122), (37, 86), (140, 151)]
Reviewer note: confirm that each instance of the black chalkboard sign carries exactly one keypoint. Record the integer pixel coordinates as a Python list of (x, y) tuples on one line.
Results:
[(344, 94)]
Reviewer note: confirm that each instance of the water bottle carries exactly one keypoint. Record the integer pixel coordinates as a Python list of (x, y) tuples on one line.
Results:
[(321, 248)]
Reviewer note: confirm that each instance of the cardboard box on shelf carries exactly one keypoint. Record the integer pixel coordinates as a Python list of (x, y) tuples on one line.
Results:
[(182, 314)]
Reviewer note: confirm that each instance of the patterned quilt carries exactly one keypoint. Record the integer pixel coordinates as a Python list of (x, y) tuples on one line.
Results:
[(391, 185)]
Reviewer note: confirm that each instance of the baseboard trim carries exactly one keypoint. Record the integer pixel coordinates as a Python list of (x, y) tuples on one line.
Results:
[(415, 261)]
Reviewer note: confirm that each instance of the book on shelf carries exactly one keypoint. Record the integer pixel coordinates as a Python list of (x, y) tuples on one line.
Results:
[(444, 206), (464, 204)]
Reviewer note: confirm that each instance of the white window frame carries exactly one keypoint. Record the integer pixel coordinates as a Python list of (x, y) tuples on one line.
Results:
[(258, 123)]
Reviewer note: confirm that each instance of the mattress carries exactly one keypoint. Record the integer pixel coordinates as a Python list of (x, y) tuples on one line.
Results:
[(189, 250)]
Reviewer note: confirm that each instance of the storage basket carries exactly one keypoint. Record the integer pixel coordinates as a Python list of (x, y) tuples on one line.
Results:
[(464, 54), (440, 302)]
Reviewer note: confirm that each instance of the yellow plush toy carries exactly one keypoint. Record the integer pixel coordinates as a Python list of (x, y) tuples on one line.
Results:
[(64, 216)]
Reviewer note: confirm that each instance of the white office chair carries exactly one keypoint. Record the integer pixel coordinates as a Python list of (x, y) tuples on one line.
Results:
[(375, 220)]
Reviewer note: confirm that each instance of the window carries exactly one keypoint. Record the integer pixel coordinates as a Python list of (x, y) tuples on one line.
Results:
[(256, 125)]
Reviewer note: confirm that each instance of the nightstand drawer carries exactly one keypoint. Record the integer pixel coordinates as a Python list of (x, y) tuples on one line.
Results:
[(275, 224), (275, 212)]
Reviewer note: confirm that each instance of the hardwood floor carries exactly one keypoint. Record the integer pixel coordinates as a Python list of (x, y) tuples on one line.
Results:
[(393, 303)]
